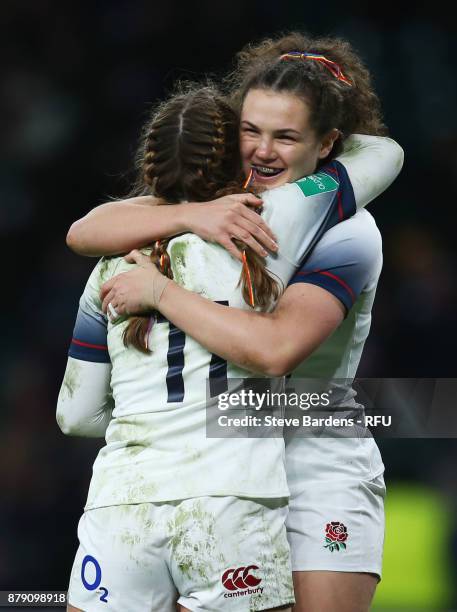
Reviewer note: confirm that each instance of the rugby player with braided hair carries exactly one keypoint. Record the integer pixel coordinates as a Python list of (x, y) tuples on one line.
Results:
[(199, 167), (161, 287), (354, 109)]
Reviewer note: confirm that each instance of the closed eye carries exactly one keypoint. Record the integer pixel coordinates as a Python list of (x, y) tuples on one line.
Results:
[(287, 137)]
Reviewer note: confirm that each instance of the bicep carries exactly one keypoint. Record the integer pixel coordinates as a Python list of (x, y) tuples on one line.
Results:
[(306, 316)]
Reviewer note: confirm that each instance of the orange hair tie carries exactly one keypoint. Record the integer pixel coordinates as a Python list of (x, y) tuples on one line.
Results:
[(248, 275), (248, 180), (148, 331), (331, 66)]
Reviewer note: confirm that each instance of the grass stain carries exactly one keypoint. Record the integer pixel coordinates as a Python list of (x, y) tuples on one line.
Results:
[(71, 380)]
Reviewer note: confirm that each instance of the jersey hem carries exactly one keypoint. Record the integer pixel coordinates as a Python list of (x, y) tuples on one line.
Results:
[(163, 500)]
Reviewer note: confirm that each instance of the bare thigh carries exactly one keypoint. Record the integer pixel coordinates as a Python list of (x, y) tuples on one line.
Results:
[(73, 609), (321, 591)]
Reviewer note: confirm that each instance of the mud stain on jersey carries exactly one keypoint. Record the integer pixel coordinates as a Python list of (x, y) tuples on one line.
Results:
[(141, 489), (125, 429), (191, 455), (137, 513), (121, 488), (178, 261), (71, 381), (104, 268)]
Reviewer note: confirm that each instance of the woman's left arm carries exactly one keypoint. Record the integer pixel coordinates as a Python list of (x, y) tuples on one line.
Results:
[(269, 343), (85, 403), (272, 344), (323, 291), (372, 164)]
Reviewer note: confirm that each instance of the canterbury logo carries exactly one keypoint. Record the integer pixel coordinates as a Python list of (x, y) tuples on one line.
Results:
[(236, 579)]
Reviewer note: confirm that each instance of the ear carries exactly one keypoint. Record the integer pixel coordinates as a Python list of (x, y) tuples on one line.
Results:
[(327, 142)]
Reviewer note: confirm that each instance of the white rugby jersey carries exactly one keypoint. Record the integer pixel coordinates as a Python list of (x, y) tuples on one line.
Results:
[(156, 447), (346, 262)]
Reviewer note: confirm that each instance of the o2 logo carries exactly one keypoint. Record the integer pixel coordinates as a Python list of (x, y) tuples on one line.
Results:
[(91, 586)]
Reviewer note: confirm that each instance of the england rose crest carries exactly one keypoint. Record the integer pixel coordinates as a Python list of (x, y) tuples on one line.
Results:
[(336, 535)]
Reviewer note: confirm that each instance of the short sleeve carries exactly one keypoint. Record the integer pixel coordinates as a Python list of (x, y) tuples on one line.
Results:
[(89, 341), (299, 213), (346, 261), (344, 204)]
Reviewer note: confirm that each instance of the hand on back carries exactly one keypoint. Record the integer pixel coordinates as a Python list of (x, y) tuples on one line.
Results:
[(231, 217), (135, 292)]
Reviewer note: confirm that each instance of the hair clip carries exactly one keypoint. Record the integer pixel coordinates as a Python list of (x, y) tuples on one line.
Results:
[(331, 66)]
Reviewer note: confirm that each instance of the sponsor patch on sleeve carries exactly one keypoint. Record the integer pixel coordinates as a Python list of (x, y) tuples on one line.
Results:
[(317, 183)]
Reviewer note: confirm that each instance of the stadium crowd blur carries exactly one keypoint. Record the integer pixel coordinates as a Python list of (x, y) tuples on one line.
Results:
[(76, 85)]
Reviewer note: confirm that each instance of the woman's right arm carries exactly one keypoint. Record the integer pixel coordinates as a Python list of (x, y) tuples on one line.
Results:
[(118, 227)]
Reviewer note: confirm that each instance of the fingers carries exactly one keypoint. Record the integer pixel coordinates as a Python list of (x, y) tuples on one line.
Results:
[(109, 298), (231, 248), (248, 229), (248, 226), (106, 287), (133, 256), (250, 199), (137, 257), (112, 312), (252, 242), (258, 222), (261, 238)]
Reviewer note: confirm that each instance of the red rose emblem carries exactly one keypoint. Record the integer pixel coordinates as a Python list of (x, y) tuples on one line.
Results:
[(335, 535)]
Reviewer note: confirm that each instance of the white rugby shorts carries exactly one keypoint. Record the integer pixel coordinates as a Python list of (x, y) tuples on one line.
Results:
[(336, 508), (207, 553)]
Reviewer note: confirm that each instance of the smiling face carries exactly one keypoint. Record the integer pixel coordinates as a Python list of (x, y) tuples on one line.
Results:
[(276, 139)]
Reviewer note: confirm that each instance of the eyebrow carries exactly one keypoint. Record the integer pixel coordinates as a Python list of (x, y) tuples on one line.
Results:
[(281, 131)]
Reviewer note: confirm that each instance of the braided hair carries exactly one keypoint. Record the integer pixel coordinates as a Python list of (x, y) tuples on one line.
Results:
[(189, 150)]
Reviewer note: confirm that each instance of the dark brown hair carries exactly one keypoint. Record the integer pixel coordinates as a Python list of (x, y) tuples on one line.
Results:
[(333, 103), (189, 150)]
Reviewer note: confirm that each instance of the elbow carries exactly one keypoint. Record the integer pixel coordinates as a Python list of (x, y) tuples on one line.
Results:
[(75, 239), (64, 423), (397, 156), (271, 362), (81, 425), (401, 157), (68, 425), (282, 358), (276, 368), (270, 352)]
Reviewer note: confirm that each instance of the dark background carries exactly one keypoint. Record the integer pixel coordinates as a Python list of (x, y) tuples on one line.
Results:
[(76, 84)]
